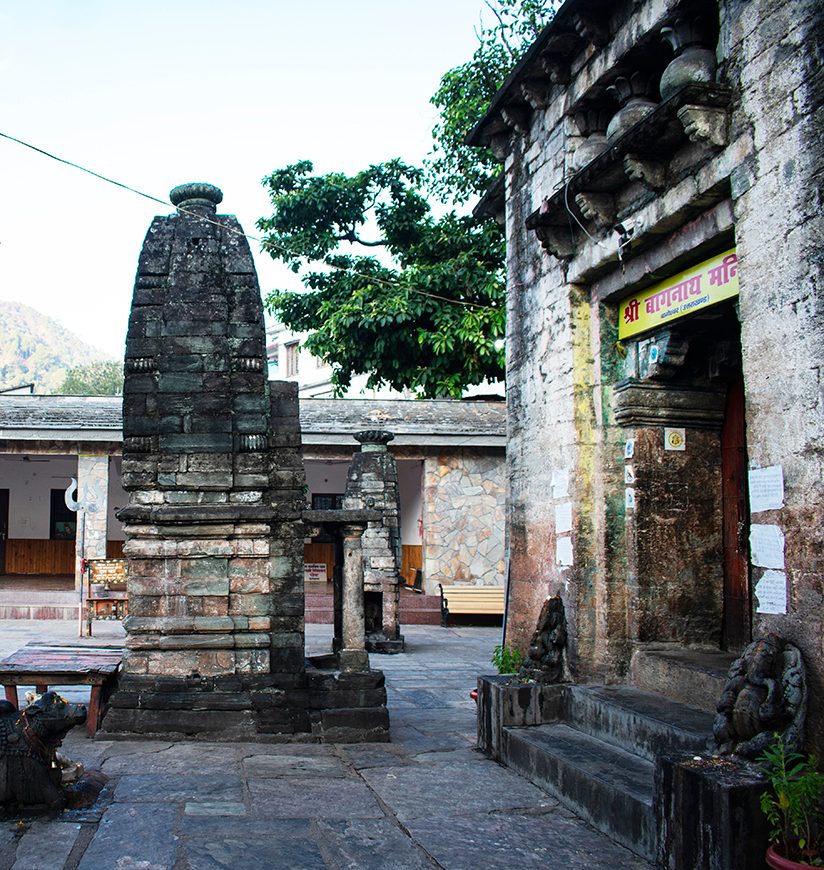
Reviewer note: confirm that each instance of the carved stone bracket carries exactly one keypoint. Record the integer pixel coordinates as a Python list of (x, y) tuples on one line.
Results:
[(706, 125), (516, 117), (557, 241), (598, 207), (536, 92), (650, 173), (557, 68), (590, 29), (500, 145)]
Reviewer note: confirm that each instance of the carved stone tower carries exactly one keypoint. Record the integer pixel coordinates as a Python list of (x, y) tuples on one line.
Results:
[(214, 535)]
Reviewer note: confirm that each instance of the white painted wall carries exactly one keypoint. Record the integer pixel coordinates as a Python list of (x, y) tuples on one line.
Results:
[(29, 484), (325, 476), (410, 487)]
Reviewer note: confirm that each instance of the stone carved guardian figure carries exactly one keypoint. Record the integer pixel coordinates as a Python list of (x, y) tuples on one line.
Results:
[(30, 773), (545, 663), (765, 692)]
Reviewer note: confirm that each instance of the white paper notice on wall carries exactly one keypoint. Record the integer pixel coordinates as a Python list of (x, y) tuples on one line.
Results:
[(771, 592), (563, 517), (563, 551), (766, 488), (766, 546), (560, 483)]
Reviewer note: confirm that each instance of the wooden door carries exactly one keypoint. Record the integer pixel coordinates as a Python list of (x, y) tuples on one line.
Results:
[(736, 631), (4, 527)]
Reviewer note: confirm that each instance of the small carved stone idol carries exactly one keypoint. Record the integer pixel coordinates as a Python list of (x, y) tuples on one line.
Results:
[(765, 692), (30, 773), (545, 663)]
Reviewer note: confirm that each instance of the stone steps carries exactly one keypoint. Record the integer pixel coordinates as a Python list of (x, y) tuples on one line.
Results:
[(610, 788), (639, 722), (415, 609), (599, 759), (26, 603), (691, 676)]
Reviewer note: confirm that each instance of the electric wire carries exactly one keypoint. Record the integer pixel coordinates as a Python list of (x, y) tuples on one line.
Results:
[(268, 243)]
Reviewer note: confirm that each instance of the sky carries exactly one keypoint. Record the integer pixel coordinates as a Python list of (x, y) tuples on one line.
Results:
[(154, 94)]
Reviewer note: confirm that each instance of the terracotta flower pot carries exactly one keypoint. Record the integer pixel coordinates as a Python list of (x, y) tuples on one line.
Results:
[(779, 862)]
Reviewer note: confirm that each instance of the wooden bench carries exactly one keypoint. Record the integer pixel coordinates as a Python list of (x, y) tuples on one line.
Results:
[(44, 666), (483, 600)]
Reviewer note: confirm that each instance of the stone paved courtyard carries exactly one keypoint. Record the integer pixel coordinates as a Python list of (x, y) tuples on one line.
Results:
[(427, 799)]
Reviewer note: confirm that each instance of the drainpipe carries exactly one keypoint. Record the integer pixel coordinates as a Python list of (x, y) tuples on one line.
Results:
[(506, 597)]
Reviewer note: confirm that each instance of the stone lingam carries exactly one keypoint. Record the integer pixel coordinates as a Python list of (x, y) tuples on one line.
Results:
[(214, 528)]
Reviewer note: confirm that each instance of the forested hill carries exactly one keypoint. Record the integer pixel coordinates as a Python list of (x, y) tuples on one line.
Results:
[(36, 349)]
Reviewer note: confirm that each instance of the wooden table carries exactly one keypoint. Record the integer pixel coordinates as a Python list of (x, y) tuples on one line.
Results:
[(113, 605), (44, 666)]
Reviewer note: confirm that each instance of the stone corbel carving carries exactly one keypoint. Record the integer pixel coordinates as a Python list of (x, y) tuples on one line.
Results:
[(598, 207), (536, 92), (706, 125), (556, 67), (556, 240), (591, 30), (516, 117), (649, 172), (500, 145)]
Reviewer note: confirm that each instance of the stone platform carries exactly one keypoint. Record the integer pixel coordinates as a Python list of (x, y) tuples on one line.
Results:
[(225, 805), (321, 705)]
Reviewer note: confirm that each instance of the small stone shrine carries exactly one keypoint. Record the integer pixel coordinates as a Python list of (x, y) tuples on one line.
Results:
[(214, 527), (373, 484)]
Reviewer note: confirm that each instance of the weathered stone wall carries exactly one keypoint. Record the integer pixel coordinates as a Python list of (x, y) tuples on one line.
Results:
[(776, 62), (463, 519), (746, 172)]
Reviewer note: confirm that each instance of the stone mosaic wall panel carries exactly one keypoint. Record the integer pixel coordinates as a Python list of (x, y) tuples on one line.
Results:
[(464, 499)]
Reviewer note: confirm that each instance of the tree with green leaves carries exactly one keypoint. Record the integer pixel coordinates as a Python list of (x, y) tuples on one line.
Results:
[(98, 378), (412, 299)]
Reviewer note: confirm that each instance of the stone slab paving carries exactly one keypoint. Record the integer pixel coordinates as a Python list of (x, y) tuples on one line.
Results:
[(427, 799)]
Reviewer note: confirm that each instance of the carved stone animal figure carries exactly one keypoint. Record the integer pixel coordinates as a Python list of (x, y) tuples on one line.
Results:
[(29, 772)]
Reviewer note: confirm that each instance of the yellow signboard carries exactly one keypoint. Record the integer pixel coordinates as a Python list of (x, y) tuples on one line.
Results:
[(686, 293)]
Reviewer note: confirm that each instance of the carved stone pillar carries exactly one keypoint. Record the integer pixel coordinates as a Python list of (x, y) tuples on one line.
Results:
[(353, 656)]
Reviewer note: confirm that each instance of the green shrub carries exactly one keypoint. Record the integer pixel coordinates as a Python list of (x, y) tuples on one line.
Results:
[(793, 805), (506, 659)]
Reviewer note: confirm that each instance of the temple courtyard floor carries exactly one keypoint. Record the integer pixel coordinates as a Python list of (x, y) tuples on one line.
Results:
[(427, 799)]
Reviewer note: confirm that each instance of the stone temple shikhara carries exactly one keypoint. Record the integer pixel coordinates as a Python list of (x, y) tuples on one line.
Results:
[(214, 527)]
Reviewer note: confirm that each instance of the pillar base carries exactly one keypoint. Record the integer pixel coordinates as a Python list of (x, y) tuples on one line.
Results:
[(380, 643), (319, 705), (354, 660)]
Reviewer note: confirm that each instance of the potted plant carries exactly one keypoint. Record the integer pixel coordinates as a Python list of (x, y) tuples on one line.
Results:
[(793, 807)]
